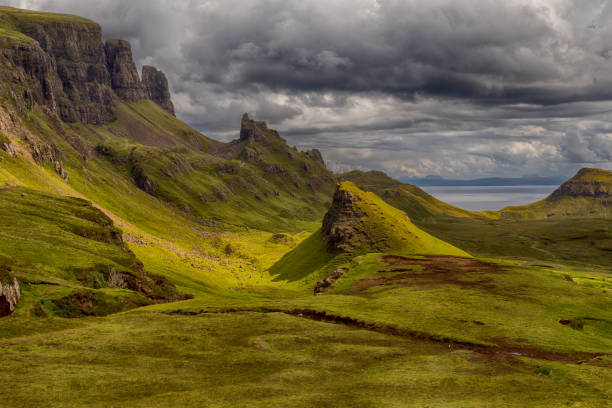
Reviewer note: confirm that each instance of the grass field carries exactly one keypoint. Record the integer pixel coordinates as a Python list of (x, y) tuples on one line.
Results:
[(528, 325), (161, 268), (258, 360)]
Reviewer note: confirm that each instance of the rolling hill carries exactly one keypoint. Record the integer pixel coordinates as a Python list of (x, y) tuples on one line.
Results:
[(358, 223), (571, 225), (587, 194), (407, 197), (77, 119), (145, 264)]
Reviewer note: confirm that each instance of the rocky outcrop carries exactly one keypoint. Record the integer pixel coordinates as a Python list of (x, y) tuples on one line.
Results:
[(124, 77), (9, 296), (339, 224), (315, 154), (155, 87), (586, 183), (256, 131), (63, 66), (144, 182), (48, 153), (324, 284), (275, 169)]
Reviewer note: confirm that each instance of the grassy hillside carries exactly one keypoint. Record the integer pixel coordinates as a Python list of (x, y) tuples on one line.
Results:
[(262, 360), (586, 195), (70, 259), (383, 228), (570, 226), (197, 177), (122, 216), (407, 197), (358, 222)]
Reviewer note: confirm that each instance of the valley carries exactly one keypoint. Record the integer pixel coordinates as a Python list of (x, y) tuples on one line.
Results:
[(144, 264)]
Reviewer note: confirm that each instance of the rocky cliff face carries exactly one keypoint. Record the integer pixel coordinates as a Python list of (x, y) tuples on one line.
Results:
[(155, 87), (75, 80), (63, 66), (124, 77), (339, 224), (587, 183)]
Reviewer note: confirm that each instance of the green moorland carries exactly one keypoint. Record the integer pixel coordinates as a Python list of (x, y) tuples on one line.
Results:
[(571, 227), (435, 307)]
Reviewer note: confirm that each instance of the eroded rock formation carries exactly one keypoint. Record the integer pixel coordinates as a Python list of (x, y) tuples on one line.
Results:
[(9, 296), (65, 67), (155, 87), (256, 131), (324, 284), (339, 224), (124, 77)]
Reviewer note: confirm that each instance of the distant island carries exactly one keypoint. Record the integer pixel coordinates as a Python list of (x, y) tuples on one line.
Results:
[(437, 181)]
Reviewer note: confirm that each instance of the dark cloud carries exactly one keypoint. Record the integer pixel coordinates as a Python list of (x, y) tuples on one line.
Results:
[(459, 88)]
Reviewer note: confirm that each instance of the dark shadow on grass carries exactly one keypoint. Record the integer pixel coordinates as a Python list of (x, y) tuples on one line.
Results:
[(309, 256)]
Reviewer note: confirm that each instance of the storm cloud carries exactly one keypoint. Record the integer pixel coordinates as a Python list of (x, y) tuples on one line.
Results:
[(461, 88)]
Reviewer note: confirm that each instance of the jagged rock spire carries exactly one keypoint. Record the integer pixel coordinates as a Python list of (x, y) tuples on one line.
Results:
[(124, 76), (155, 85)]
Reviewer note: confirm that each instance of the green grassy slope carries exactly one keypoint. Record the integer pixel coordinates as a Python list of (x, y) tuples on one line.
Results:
[(383, 228), (69, 257), (199, 179), (173, 232), (414, 321), (263, 360), (407, 197), (369, 225), (571, 226), (586, 195)]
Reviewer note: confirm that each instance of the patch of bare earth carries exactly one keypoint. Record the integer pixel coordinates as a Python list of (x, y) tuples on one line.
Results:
[(436, 270)]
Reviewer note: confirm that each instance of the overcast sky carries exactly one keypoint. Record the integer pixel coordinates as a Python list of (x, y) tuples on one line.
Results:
[(457, 88)]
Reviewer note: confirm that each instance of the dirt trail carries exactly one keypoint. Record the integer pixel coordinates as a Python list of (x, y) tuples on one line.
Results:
[(502, 348)]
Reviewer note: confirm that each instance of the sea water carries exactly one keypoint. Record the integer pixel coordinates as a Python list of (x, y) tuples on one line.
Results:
[(479, 198)]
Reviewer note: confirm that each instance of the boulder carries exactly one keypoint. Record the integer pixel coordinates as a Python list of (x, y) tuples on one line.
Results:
[(10, 294)]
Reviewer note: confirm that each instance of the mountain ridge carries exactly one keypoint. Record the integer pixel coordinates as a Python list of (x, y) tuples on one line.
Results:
[(435, 181), (61, 63)]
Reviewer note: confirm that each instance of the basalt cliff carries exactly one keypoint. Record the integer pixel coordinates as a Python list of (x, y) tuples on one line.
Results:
[(64, 66)]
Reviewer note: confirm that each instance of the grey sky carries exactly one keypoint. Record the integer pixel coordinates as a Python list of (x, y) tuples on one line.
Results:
[(415, 87)]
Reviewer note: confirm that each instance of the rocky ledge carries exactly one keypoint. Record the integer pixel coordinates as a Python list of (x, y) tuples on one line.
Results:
[(155, 86)]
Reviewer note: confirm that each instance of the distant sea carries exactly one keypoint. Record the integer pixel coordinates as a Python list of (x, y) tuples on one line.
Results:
[(480, 198)]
